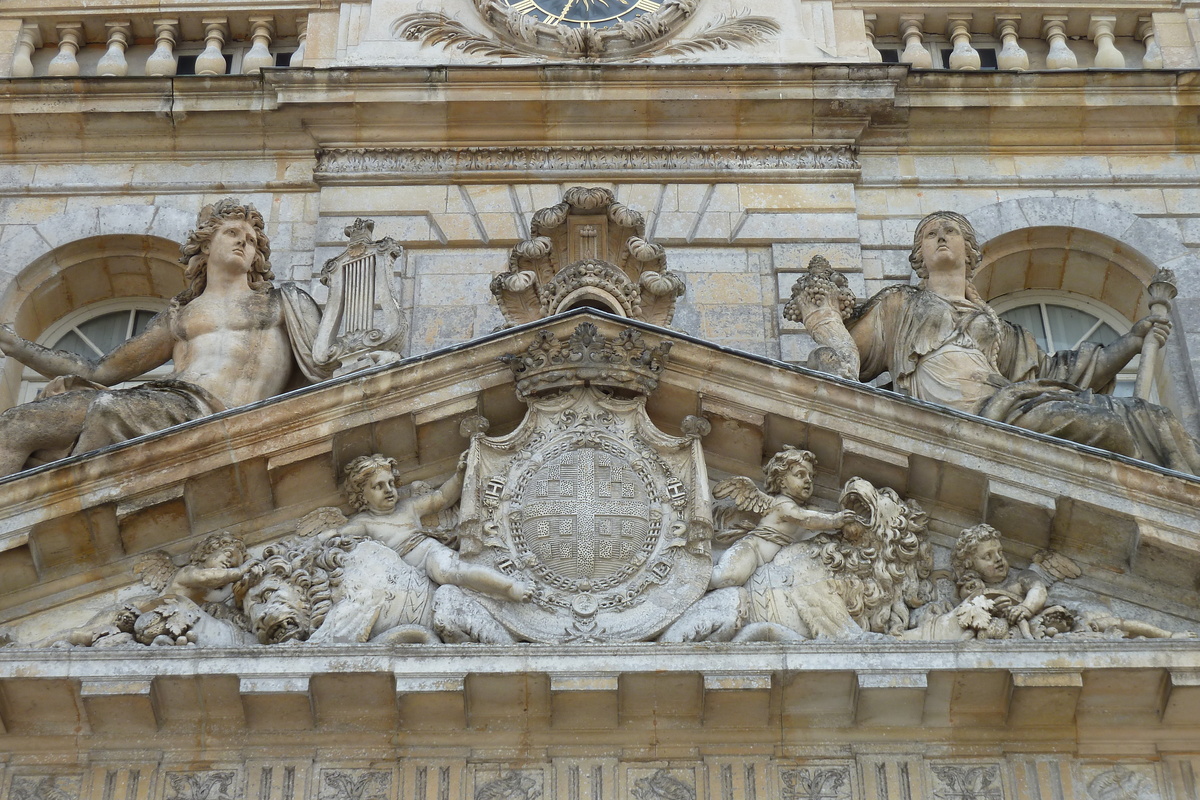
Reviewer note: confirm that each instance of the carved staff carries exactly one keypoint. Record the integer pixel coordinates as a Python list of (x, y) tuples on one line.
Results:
[(1162, 291)]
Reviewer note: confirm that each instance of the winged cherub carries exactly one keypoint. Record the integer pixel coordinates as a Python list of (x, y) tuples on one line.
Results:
[(785, 516)]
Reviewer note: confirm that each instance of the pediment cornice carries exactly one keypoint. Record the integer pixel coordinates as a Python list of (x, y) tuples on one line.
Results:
[(72, 528)]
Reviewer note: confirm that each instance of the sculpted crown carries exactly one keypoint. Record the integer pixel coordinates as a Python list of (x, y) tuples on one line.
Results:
[(625, 364)]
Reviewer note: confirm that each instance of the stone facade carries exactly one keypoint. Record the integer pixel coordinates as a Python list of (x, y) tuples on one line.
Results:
[(748, 140)]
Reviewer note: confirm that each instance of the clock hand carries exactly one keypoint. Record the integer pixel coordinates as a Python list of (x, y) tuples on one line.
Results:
[(566, 8)]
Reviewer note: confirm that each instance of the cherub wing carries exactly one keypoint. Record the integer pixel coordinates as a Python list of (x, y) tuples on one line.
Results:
[(326, 518), (155, 569), (1056, 565), (745, 494)]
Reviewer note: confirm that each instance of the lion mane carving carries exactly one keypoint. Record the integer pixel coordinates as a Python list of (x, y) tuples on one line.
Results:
[(882, 561), (865, 580)]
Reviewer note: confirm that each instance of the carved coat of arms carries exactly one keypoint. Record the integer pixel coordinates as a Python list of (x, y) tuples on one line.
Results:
[(606, 515)]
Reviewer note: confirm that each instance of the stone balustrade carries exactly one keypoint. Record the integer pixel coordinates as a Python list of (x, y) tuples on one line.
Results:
[(1015, 38), (118, 42)]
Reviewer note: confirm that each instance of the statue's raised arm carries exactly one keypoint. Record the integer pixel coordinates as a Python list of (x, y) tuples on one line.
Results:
[(942, 343), (822, 301)]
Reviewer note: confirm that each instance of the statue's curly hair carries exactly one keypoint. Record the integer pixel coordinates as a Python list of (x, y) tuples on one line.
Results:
[(968, 580), (357, 472), (215, 542), (784, 462), (195, 259)]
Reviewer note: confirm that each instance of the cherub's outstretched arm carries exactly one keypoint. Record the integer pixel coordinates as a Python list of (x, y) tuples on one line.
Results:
[(814, 520), (208, 578)]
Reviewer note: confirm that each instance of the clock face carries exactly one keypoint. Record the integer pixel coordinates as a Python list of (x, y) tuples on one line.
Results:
[(583, 13)]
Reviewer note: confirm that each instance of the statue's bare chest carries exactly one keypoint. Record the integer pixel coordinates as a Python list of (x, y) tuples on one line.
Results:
[(249, 313)]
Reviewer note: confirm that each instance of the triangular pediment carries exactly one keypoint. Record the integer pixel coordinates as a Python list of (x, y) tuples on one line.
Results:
[(71, 530)]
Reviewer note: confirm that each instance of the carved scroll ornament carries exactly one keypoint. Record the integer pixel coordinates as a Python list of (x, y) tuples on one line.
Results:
[(588, 250)]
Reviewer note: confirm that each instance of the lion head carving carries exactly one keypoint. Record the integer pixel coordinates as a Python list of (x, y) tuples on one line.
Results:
[(882, 561)]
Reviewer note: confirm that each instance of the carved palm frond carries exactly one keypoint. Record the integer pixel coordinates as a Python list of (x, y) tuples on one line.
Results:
[(434, 28), (721, 35)]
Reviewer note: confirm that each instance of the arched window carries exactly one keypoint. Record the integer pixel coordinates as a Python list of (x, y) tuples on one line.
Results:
[(93, 331), (1063, 321)]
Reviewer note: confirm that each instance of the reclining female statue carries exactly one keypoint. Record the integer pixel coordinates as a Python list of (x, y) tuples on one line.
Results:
[(942, 343), (234, 339)]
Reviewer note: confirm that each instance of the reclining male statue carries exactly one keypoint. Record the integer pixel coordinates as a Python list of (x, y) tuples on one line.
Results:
[(234, 337)]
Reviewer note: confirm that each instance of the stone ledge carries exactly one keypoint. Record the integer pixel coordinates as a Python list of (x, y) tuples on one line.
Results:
[(998, 689)]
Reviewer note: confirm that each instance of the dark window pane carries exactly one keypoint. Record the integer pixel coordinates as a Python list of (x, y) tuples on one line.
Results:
[(72, 342), (1029, 318)]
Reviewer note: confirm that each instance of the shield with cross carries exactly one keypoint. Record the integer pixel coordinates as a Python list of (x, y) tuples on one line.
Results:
[(605, 515)]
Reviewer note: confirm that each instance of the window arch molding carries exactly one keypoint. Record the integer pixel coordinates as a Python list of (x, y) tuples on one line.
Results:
[(1079, 262), (79, 275), (1080, 269)]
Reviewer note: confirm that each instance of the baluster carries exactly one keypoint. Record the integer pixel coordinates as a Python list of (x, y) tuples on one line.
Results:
[(873, 54), (1145, 31), (914, 53), (211, 61), (297, 59), (70, 35), (259, 55), (1054, 30), (1100, 30), (963, 57), (113, 64), (1011, 55), (162, 62), (30, 39)]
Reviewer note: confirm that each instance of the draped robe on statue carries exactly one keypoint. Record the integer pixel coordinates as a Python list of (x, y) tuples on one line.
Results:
[(956, 354)]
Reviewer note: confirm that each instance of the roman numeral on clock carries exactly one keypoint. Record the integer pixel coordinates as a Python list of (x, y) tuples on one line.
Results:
[(647, 5), (523, 6)]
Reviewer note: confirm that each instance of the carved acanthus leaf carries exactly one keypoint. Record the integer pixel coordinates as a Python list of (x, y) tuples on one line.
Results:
[(722, 35), (435, 28)]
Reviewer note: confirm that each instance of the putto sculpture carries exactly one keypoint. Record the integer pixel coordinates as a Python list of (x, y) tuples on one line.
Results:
[(187, 605), (785, 515), (383, 516), (941, 342), (995, 601), (233, 336), (864, 577)]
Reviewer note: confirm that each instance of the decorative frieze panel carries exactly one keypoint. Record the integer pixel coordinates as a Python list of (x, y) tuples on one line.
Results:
[(557, 163), (966, 782), (355, 784), (816, 783), (732, 777), (222, 784), (45, 787)]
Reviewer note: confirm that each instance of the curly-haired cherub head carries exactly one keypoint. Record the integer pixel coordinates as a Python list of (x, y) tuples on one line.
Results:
[(974, 253), (790, 472), (978, 558), (221, 546), (195, 249), (370, 483)]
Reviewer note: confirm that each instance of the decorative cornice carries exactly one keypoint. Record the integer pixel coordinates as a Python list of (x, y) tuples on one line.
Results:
[(549, 162)]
